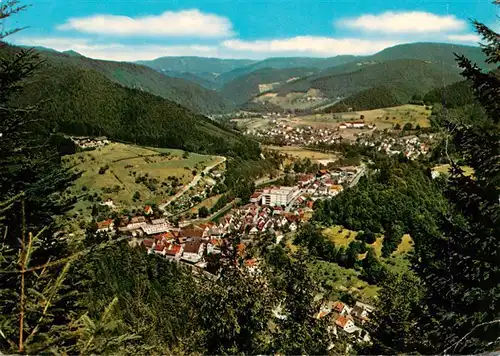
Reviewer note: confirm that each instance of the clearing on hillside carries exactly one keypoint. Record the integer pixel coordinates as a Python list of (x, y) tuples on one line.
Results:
[(383, 118), (132, 176), (301, 153), (386, 117)]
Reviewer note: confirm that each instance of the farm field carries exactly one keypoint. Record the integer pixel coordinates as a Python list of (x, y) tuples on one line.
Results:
[(207, 203), (386, 117), (383, 118), (118, 171), (301, 153)]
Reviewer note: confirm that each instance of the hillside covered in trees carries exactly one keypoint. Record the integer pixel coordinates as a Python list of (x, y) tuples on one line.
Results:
[(85, 102), (373, 98), (246, 87), (404, 77), (181, 91)]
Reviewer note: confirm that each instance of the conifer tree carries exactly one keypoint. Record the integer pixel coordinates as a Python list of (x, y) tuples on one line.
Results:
[(461, 264)]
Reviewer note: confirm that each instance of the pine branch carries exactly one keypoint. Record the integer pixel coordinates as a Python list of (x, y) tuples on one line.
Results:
[(454, 346)]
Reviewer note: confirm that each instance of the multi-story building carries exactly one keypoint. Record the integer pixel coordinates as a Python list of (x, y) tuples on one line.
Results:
[(279, 196)]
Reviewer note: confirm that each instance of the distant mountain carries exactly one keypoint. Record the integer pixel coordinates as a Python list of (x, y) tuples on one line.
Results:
[(441, 53), (206, 80), (184, 92), (80, 100), (217, 72), (247, 86), (72, 53), (195, 64), (283, 63)]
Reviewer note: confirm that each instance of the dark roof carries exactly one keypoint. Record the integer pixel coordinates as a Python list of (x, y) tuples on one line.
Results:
[(192, 246), (191, 233)]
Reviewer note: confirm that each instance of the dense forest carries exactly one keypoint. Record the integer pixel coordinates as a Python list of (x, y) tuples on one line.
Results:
[(399, 198), (129, 75), (404, 77), (246, 87), (84, 102), (373, 98), (454, 95)]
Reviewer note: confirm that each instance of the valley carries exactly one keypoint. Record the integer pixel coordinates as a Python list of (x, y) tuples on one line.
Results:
[(171, 203)]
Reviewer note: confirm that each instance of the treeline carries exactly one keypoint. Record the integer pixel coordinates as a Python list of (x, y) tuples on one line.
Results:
[(84, 102)]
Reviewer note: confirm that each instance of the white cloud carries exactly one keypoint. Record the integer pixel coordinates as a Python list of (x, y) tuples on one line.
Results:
[(464, 38), (404, 22), (310, 46), (118, 51), (187, 23)]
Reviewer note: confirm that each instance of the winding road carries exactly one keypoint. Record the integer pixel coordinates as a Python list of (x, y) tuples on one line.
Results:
[(195, 181)]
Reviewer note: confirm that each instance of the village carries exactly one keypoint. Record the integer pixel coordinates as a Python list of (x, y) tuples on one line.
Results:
[(411, 146), (283, 133), (272, 211), (275, 210)]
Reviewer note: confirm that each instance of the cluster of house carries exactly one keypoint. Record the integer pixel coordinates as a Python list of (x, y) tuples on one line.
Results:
[(90, 142), (282, 133), (252, 219), (346, 320), (411, 146)]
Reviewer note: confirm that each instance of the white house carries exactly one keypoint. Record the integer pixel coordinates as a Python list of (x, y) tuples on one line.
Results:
[(193, 251)]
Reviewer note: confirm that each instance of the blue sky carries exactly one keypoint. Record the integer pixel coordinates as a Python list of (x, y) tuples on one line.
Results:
[(146, 29)]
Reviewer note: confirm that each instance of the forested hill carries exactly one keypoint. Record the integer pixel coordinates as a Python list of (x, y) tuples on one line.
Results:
[(404, 77), (373, 98), (441, 53), (454, 95), (183, 92), (85, 102), (246, 87)]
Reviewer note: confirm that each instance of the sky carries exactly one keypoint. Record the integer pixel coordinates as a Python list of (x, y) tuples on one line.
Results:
[(131, 30)]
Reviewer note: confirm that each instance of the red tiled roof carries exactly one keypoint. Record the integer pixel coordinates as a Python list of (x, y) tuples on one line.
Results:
[(255, 195), (191, 233), (338, 306), (342, 321), (172, 249), (159, 247), (251, 262), (104, 224)]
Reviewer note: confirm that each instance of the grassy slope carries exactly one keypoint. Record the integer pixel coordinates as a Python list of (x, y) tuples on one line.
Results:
[(339, 278), (122, 161)]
